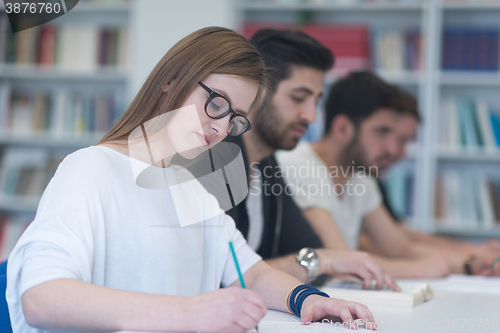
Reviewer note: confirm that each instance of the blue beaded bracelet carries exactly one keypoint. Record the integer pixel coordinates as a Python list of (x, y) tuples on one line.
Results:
[(299, 294)]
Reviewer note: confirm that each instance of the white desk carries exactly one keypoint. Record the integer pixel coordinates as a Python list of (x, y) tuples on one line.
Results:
[(471, 310), (447, 312)]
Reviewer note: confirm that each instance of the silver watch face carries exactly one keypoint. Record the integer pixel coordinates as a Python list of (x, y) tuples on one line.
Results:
[(308, 258)]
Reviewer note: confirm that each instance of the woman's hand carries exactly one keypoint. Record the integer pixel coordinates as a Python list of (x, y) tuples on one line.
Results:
[(355, 263), (317, 307), (227, 310)]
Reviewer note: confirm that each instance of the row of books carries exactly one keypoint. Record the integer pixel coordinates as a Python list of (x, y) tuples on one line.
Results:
[(355, 46), (60, 114), (470, 49), (67, 47), (467, 201), (349, 44), (397, 50), (11, 229), (469, 124), (462, 200), (25, 173)]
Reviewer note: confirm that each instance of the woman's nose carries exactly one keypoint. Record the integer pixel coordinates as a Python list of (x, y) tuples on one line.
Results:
[(220, 127)]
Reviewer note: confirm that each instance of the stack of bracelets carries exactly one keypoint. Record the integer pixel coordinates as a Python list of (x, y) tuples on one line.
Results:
[(298, 295)]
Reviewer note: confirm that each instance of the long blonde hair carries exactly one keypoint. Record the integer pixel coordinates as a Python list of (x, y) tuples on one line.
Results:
[(211, 50)]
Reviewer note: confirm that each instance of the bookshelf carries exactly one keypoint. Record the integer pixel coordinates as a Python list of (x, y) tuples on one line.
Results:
[(154, 26), (430, 83), (13, 72), (479, 164), (88, 93), (152, 21), (473, 5), (47, 141), (263, 5)]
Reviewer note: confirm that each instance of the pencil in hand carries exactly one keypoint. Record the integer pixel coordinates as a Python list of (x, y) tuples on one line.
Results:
[(233, 253), (495, 262)]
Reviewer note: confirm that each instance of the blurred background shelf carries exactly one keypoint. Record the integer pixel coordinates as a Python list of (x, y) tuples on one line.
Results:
[(102, 7), (14, 72), (470, 79), (468, 6), (62, 85), (468, 156), (467, 233), (379, 6), (413, 45), (19, 205), (49, 141), (410, 34)]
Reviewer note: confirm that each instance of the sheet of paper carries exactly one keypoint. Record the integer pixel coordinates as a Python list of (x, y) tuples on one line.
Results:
[(295, 326), (469, 284)]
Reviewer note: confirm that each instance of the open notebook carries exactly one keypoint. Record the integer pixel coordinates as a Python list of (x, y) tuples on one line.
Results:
[(412, 294)]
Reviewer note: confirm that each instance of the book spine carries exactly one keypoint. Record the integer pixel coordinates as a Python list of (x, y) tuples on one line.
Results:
[(495, 124)]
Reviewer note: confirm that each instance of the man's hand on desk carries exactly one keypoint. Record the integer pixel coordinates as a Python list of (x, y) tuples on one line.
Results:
[(360, 264), (433, 266), (481, 264), (485, 254), (228, 310), (317, 307)]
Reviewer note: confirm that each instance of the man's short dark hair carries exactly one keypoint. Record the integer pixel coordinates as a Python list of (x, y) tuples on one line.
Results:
[(280, 49), (358, 96), (408, 104)]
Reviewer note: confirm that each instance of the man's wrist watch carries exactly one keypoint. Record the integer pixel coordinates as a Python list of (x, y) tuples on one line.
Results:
[(309, 258)]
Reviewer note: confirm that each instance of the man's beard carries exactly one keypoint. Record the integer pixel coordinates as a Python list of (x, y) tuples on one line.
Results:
[(267, 124), (356, 155)]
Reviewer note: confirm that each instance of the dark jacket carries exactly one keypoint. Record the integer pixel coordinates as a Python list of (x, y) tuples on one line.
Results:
[(385, 197), (285, 228)]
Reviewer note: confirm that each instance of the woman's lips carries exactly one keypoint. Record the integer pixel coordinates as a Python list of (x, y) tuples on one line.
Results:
[(204, 139)]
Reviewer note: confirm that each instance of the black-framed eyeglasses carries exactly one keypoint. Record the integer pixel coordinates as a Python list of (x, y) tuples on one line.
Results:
[(217, 107)]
